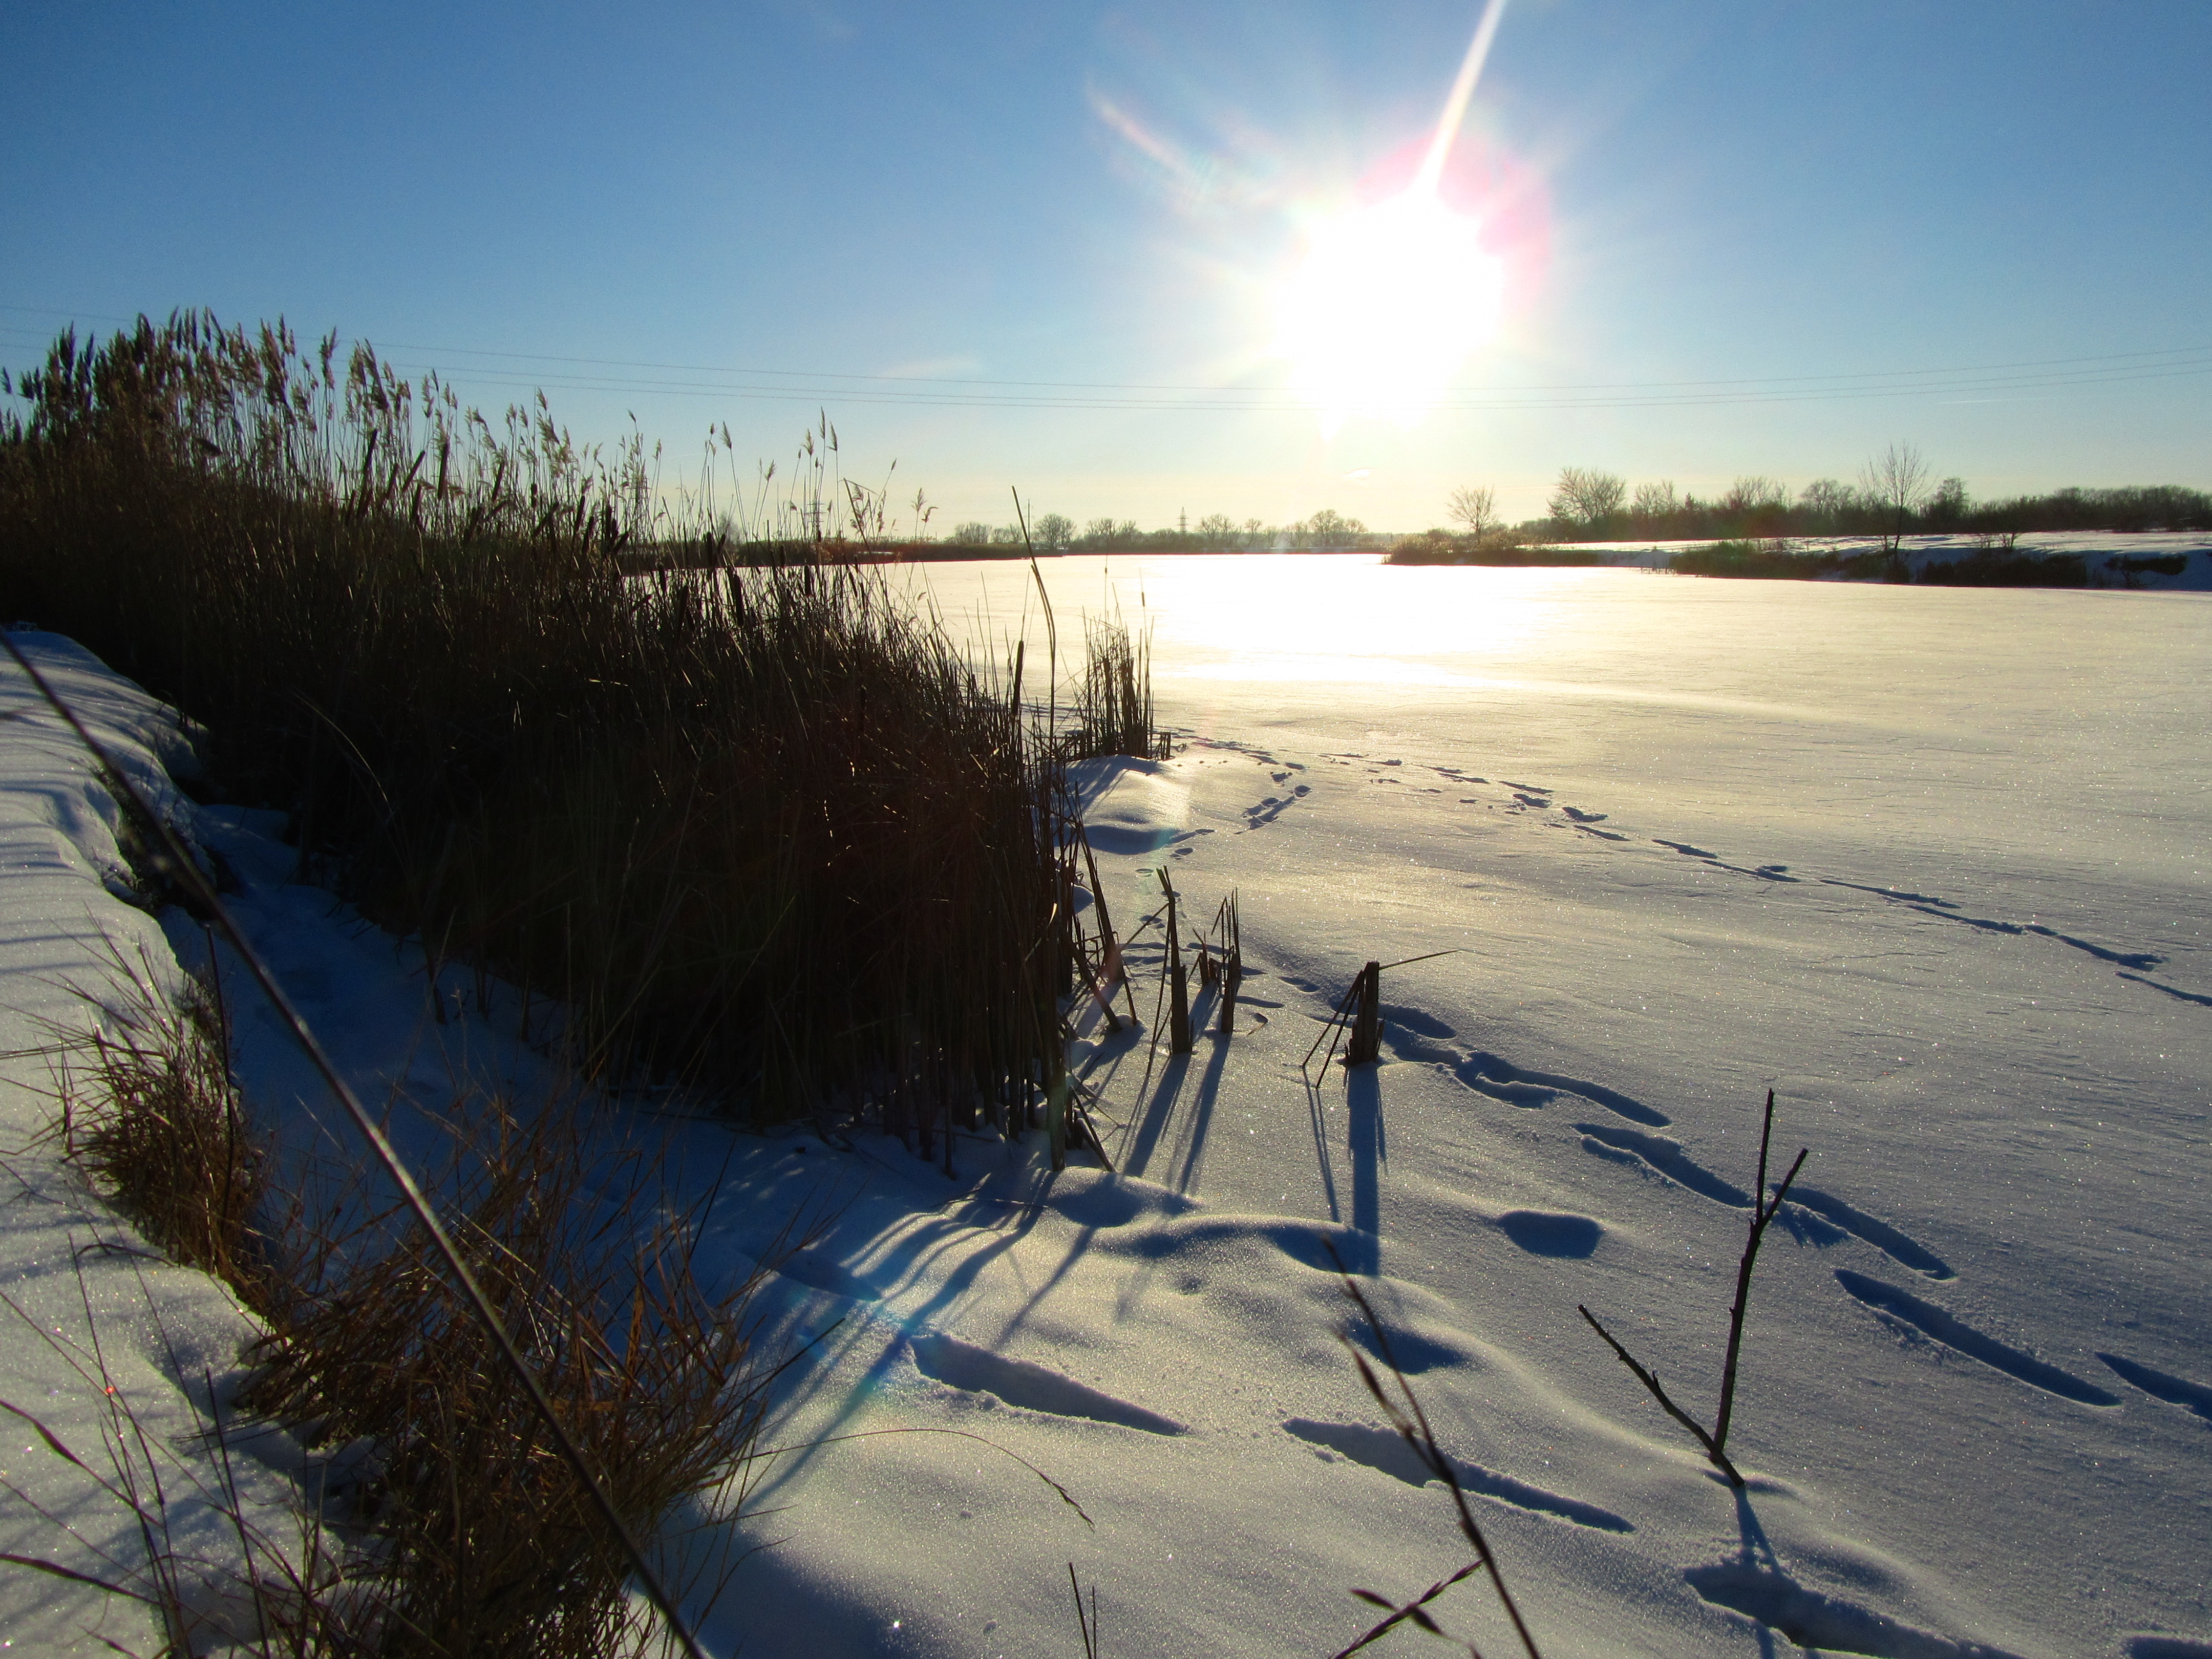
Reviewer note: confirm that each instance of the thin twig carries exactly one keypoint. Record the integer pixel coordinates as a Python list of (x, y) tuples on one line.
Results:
[(1411, 1420), (1399, 1613), (1651, 1380)]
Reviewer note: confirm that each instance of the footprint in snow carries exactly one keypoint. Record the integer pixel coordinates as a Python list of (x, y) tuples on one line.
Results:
[(1819, 1622), (1812, 1216), (1413, 1035), (1947, 910), (1545, 1233), (1384, 1451), (1762, 872), (1900, 1308), (2193, 1397), (1029, 1386)]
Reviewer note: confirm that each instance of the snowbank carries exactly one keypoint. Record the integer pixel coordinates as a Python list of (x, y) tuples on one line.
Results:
[(2156, 560), (95, 1316)]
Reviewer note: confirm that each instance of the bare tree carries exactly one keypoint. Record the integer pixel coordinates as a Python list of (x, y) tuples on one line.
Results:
[(1587, 497), (1827, 500), (1655, 501), (1329, 528), (1897, 480), (1476, 508)]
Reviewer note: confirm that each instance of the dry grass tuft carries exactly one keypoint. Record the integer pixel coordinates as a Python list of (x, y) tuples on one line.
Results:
[(1113, 703), (482, 1541), (438, 1518), (151, 1113)]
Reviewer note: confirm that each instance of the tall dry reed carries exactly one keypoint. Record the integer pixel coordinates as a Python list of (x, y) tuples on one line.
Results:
[(765, 831)]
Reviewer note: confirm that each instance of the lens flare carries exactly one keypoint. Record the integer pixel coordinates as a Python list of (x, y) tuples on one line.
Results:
[(1393, 296), (1390, 301)]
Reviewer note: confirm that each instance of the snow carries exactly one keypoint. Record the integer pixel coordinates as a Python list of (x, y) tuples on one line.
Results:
[(2113, 558), (1927, 862), (91, 1311)]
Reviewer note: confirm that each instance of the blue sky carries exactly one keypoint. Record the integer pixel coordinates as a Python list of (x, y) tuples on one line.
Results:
[(1021, 214)]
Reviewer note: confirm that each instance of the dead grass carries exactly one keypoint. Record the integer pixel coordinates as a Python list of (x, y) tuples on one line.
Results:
[(438, 1518), (763, 831), (149, 1112), (483, 1541)]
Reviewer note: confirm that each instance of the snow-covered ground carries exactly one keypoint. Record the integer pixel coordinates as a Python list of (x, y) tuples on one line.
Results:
[(1928, 862), (2111, 558)]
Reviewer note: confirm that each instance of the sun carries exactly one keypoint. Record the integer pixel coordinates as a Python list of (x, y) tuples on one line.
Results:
[(1390, 299)]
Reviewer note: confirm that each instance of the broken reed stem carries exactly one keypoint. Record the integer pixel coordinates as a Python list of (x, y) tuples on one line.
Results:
[(1651, 1380), (1410, 1419), (1179, 988), (1763, 1214), (1366, 1044), (1232, 963), (1762, 1211)]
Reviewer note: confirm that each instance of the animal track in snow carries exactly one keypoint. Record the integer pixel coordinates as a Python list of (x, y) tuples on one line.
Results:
[(1664, 1156), (1762, 872), (1947, 910), (1413, 1035), (1903, 1307), (1546, 1232), (1031, 1387), (2162, 1385), (1385, 1450), (2179, 996), (1826, 1622), (1904, 1251), (1274, 806)]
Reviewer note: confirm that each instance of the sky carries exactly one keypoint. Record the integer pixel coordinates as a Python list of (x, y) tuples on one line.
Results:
[(1069, 250)]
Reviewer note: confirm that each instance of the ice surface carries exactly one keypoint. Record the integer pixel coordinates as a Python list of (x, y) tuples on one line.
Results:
[(1928, 862)]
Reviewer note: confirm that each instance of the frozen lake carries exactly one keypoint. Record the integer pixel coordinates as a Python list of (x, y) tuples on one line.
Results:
[(1927, 862)]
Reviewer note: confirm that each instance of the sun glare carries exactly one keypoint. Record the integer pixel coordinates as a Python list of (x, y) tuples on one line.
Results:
[(1394, 295), (1390, 301)]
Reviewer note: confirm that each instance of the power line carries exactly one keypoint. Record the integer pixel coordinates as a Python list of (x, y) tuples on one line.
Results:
[(743, 383)]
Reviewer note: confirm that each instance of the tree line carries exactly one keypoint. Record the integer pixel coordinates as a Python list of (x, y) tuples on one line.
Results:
[(1217, 532), (1895, 495)]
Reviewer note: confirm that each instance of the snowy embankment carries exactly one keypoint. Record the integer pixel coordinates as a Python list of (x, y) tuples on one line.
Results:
[(2177, 561), (1927, 862), (94, 1317)]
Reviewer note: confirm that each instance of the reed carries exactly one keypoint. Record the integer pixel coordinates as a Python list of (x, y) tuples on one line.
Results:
[(759, 831)]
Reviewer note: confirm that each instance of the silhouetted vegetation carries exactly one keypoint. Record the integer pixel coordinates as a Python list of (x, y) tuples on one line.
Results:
[(1891, 499), (765, 831)]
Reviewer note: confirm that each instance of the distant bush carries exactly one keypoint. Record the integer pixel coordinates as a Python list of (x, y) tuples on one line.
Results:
[(1441, 547), (1773, 560), (1988, 568)]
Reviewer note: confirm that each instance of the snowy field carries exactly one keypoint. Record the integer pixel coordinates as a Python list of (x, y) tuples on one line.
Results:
[(1927, 862), (2111, 558)]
